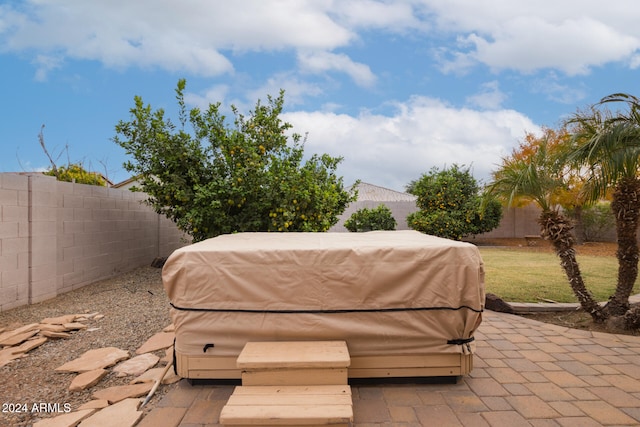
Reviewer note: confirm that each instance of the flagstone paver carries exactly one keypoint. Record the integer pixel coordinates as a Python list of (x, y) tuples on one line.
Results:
[(136, 365), (28, 345), (123, 414), (121, 392), (95, 359), (159, 341), (94, 404), (526, 373), (87, 379), (7, 335), (152, 374), (65, 420), (60, 320), (17, 339)]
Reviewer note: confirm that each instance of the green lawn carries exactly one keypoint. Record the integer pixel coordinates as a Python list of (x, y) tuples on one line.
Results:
[(527, 276)]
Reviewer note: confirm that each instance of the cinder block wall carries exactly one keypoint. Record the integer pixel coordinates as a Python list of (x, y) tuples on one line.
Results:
[(58, 236), (516, 223), (14, 240)]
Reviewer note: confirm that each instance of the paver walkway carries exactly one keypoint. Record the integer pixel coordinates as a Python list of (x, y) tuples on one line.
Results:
[(526, 373)]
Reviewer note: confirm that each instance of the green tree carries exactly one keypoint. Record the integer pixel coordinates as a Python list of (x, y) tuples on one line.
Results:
[(222, 179), (535, 173), (607, 147), (380, 218), (450, 205)]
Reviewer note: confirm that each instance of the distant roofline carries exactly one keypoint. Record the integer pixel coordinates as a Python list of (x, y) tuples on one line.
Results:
[(376, 193)]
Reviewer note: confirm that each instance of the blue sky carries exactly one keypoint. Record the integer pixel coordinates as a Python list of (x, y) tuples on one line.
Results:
[(395, 87)]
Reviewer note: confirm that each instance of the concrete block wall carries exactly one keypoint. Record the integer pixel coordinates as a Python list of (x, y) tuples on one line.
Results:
[(14, 241), (516, 222), (58, 236)]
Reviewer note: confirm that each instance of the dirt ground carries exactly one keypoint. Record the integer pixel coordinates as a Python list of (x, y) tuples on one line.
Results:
[(134, 306), (588, 248)]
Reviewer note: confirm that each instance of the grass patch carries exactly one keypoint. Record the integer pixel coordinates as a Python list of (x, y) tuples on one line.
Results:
[(529, 276)]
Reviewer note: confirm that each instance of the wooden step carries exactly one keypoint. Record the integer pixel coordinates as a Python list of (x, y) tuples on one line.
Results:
[(319, 405), (294, 363)]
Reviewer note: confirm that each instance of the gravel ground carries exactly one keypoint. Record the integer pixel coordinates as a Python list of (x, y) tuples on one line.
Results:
[(134, 306)]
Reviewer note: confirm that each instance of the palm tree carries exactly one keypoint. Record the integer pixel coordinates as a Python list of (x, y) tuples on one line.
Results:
[(608, 147), (537, 176)]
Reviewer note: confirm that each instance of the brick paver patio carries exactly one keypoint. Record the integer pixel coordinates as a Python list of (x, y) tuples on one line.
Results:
[(526, 373)]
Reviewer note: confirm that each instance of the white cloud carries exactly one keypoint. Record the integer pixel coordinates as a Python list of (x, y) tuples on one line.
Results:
[(396, 15), (391, 150), (490, 96), (556, 91), (190, 35), (45, 64), (212, 95), (201, 36), (296, 90), (321, 62), (572, 35)]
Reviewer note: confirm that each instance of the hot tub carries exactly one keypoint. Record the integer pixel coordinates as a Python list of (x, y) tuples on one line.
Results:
[(406, 303)]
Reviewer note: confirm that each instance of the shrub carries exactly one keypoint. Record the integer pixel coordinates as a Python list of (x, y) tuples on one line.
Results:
[(365, 219), (450, 205)]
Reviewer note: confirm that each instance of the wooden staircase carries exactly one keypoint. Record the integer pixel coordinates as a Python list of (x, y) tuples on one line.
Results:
[(301, 383)]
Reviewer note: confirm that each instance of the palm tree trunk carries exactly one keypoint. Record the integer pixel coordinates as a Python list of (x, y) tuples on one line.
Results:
[(557, 229), (626, 210)]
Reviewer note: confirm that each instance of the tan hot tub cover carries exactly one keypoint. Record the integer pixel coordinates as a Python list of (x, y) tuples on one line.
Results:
[(387, 294)]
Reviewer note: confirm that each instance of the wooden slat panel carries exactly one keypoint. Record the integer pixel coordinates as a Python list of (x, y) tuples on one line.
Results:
[(299, 415), (405, 372), (289, 399), (295, 377), (214, 374), (211, 367), (292, 354), (293, 389), (406, 361), (216, 362)]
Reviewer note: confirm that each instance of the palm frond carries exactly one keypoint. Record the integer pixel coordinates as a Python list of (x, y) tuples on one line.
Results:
[(535, 178), (609, 149)]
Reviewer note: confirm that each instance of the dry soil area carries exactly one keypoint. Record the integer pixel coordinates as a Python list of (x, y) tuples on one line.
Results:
[(134, 306)]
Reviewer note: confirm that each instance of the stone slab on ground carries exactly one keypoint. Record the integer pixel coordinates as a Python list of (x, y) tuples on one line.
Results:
[(8, 334), (87, 379), (121, 392), (152, 374), (65, 420), (51, 327), (95, 359), (95, 404), (60, 320), (7, 355), (136, 365), (58, 335), (159, 341), (168, 355), (74, 326), (29, 345), (18, 338), (125, 413)]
